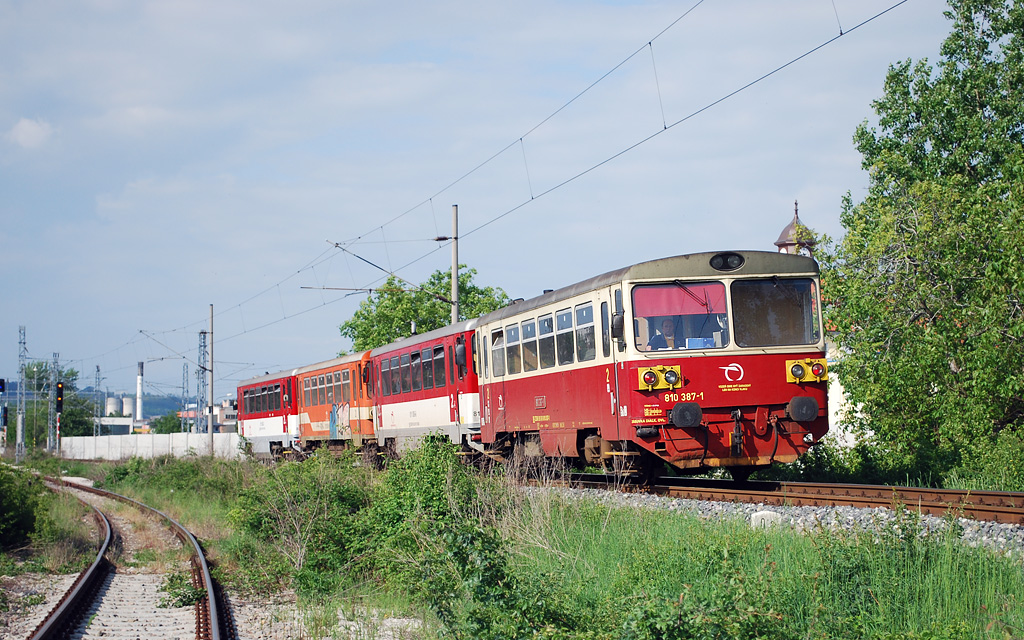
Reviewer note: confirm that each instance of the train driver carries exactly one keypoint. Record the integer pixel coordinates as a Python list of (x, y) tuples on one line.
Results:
[(665, 339)]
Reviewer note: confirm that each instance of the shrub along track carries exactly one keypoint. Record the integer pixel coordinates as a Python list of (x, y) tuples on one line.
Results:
[(995, 506), (115, 602)]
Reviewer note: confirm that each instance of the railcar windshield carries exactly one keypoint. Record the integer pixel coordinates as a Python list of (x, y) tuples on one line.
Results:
[(680, 315), (775, 312)]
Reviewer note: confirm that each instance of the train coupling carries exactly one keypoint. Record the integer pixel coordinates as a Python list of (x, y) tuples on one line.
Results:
[(736, 437)]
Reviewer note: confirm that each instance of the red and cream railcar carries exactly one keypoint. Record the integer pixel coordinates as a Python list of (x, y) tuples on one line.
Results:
[(701, 361), (268, 413), (426, 384), (334, 405)]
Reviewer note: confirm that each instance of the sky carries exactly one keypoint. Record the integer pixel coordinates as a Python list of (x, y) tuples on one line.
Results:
[(157, 158)]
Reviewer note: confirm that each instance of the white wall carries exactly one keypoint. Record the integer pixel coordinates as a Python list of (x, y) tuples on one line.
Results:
[(149, 445)]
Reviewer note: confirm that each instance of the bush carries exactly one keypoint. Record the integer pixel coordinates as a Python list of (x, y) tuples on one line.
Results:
[(20, 494), (307, 511)]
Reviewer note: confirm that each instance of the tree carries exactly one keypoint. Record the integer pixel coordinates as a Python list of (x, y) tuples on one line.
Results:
[(169, 423), (387, 314), (925, 289)]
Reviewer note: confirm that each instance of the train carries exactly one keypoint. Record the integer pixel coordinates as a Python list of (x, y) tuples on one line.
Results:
[(700, 362)]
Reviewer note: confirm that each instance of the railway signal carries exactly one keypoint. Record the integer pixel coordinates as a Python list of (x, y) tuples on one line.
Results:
[(60, 397)]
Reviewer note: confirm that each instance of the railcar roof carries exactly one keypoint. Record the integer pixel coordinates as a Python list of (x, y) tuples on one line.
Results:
[(430, 336), (694, 265)]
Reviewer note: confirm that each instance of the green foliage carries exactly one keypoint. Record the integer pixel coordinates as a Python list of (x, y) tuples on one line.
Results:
[(201, 476), (308, 511), (925, 289), (386, 315), (20, 495), (169, 423), (179, 591)]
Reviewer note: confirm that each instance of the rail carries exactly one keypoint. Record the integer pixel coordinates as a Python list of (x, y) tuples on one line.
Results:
[(208, 626)]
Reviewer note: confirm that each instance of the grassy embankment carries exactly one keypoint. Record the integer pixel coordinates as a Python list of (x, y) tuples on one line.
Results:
[(478, 558)]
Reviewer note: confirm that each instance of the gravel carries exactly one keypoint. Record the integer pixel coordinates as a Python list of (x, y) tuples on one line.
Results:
[(1004, 539)]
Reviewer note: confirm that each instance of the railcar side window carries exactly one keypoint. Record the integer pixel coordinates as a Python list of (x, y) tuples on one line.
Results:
[(439, 367), (586, 345), (330, 388), (606, 334), (346, 386), (498, 352), (428, 369), (515, 357), (451, 364), (321, 390), (680, 315), (277, 397), (396, 379), (406, 377), (305, 391), (775, 312), (563, 336), (417, 371), (546, 327), (338, 392), (529, 346), (385, 377)]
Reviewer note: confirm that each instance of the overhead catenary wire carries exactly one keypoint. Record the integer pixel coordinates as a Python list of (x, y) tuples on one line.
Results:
[(331, 252)]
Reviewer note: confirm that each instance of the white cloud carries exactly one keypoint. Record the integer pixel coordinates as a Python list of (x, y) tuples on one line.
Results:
[(30, 134)]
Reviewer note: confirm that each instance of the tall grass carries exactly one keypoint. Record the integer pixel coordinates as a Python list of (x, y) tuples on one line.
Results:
[(488, 559)]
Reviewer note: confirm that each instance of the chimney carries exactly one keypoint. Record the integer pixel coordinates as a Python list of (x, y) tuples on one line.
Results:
[(138, 396)]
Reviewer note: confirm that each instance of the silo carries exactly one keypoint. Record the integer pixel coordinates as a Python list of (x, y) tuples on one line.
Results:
[(127, 406), (113, 405)]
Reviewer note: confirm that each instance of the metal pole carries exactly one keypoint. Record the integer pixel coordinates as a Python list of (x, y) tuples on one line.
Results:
[(210, 423), (455, 263)]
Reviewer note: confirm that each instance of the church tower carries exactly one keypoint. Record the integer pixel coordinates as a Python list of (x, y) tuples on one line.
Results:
[(796, 238)]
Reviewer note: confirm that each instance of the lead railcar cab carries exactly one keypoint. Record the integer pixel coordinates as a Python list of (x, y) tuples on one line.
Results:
[(701, 361)]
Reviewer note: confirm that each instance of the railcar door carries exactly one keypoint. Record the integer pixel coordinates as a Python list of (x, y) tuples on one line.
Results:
[(614, 332)]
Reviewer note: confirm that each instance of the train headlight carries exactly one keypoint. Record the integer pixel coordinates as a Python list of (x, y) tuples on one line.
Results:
[(726, 261), (806, 370), (659, 377)]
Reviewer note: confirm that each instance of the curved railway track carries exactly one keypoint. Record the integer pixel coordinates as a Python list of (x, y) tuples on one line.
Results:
[(995, 506), (104, 603)]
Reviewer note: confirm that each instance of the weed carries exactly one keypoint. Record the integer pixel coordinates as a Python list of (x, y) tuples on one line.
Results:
[(180, 592)]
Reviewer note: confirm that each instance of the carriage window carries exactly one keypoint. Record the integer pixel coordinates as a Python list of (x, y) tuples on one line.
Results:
[(439, 367), (776, 312), (546, 328), (498, 352), (428, 369), (346, 386), (451, 365), (396, 379), (276, 397), (586, 345), (322, 390), (245, 401), (529, 346), (330, 388), (563, 336), (385, 377), (514, 355), (337, 386), (606, 334), (417, 371), (680, 315), (618, 309), (406, 377)]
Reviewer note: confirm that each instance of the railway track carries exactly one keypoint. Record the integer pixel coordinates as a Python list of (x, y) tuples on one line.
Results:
[(117, 598), (995, 506)]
